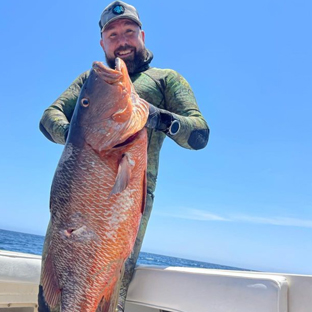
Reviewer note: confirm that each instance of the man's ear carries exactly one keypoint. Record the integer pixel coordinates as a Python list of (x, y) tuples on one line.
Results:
[(143, 35), (102, 44)]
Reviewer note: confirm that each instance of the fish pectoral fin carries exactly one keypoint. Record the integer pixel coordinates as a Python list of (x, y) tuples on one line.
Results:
[(123, 175), (51, 291)]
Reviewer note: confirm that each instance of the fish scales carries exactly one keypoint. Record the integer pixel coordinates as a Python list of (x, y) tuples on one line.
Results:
[(107, 231), (97, 195)]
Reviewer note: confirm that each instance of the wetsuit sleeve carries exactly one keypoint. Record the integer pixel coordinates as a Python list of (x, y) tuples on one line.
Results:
[(54, 123), (180, 100)]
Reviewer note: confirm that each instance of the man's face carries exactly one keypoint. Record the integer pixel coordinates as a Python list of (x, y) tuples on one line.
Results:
[(123, 38)]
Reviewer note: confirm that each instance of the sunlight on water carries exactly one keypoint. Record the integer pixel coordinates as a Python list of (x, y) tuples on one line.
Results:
[(33, 244)]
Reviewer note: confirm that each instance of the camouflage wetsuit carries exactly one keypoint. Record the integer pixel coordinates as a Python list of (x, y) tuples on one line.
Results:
[(164, 88)]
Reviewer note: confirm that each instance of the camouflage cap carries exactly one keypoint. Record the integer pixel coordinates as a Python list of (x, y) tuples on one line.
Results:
[(116, 10)]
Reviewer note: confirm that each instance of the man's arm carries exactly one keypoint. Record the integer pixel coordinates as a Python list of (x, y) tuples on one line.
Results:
[(181, 120), (54, 123)]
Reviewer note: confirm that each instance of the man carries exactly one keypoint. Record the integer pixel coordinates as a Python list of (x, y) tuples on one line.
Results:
[(173, 108)]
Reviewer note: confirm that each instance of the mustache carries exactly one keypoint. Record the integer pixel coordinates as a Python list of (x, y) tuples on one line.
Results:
[(124, 47)]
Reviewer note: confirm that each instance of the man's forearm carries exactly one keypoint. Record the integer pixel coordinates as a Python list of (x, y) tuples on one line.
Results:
[(54, 125), (190, 132)]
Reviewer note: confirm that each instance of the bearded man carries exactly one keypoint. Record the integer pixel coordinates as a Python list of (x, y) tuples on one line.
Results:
[(173, 108)]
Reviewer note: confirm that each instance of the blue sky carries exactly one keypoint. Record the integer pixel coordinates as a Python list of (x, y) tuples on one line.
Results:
[(246, 199)]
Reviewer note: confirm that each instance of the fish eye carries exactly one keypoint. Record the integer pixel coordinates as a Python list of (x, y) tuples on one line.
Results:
[(84, 102)]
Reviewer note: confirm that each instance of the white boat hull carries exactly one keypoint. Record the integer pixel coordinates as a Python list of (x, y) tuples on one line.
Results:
[(171, 289)]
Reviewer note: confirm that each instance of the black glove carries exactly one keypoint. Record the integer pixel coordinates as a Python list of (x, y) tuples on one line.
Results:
[(162, 120)]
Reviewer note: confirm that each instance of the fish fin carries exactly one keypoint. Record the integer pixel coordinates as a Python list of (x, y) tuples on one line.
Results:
[(144, 189), (111, 304), (51, 290), (42, 305), (115, 294), (123, 175), (103, 306)]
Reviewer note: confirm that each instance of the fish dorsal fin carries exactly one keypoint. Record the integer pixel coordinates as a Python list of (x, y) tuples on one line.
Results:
[(123, 175)]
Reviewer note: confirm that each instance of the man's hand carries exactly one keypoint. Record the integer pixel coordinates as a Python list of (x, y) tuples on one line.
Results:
[(162, 120)]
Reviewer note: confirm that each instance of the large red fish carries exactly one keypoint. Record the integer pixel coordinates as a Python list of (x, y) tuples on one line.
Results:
[(98, 194)]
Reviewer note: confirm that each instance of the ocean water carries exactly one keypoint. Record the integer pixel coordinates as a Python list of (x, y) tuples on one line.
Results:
[(33, 244)]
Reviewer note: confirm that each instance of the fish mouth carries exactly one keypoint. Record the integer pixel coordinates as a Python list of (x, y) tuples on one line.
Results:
[(109, 75)]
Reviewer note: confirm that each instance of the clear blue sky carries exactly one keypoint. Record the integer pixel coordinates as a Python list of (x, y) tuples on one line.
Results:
[(245, 200)]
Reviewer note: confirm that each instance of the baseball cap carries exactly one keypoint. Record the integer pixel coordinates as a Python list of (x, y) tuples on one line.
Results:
[(116, 10)]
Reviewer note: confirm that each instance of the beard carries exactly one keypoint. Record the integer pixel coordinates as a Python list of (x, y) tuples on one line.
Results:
[(133, 64)]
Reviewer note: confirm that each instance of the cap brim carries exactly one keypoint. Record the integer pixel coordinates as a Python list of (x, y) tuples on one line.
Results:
[(125, 17)]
